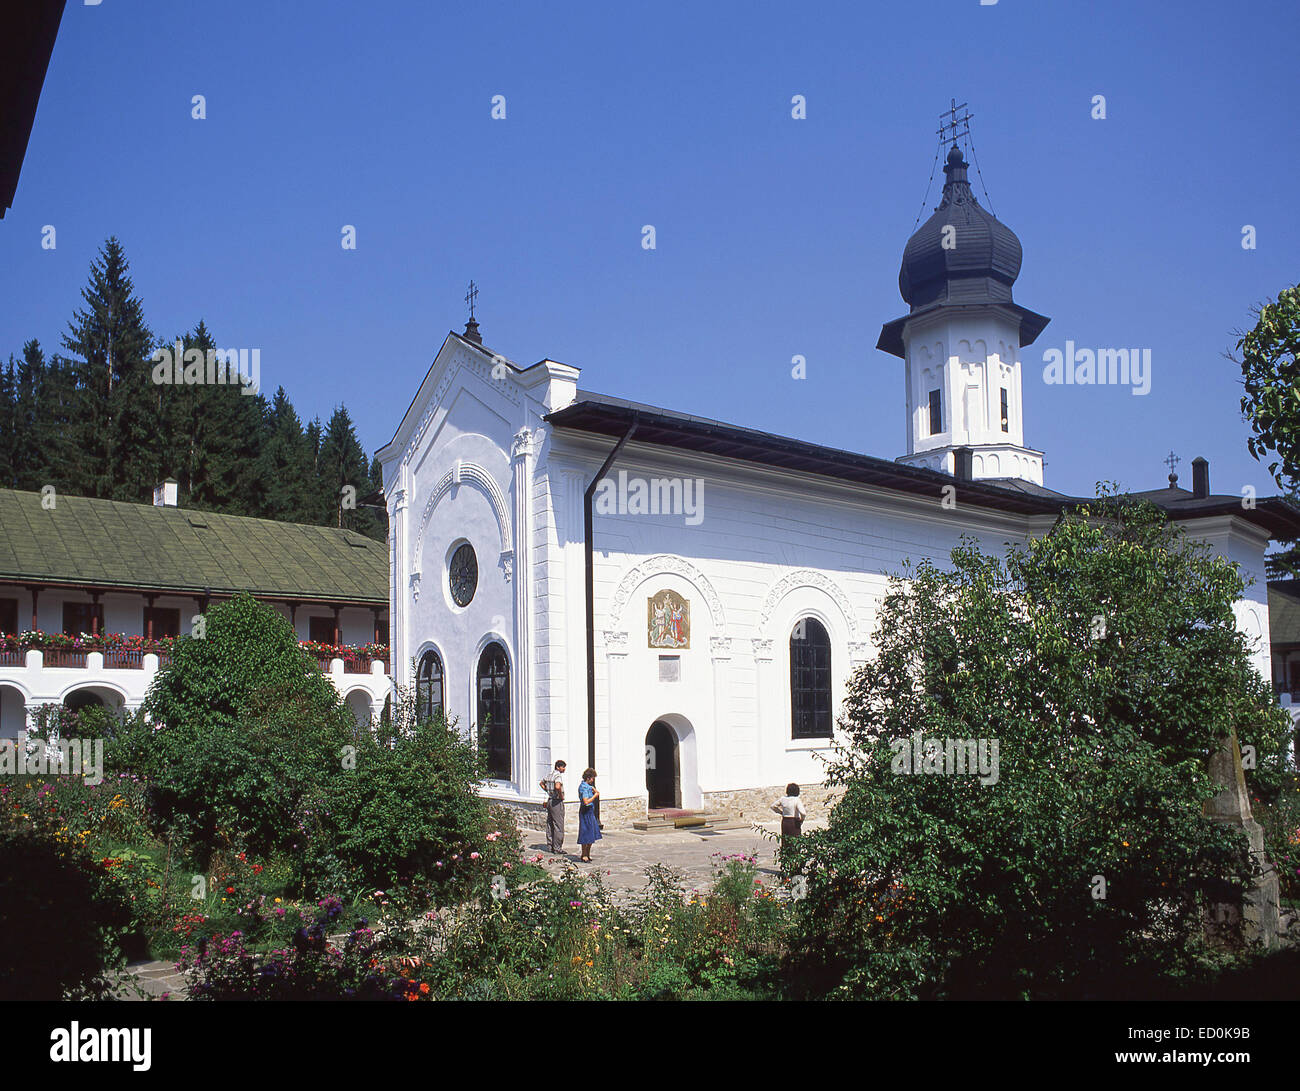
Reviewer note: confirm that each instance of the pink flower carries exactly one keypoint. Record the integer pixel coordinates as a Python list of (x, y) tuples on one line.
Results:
[(473, 856)]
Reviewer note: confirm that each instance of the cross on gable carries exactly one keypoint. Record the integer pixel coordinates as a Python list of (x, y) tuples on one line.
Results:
[(470, 297), (1172, 461)]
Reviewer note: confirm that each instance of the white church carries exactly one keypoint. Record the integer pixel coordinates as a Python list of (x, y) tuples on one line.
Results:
[(679, 602)]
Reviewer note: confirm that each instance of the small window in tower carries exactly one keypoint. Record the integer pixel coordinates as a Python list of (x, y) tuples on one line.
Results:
[(1006, 417), (936, 414)]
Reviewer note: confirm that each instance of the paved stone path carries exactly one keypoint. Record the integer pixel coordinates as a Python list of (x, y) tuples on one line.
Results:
[(156, 979), (623, 855)]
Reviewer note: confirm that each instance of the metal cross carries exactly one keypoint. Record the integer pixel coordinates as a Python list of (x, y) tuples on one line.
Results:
[(1172, 461), (470, 296), (954, 123)]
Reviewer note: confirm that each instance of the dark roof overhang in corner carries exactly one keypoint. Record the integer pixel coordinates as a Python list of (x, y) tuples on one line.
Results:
[(600, 416), (27, 34), (891, 333)]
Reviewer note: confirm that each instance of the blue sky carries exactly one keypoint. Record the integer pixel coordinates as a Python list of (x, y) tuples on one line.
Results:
[(775, 237)]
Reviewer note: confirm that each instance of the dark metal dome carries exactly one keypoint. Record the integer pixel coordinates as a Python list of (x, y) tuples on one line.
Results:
[(982, 259), (976, 269)]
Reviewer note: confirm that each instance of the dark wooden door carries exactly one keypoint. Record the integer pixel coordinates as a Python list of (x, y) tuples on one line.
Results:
[(662, 768)]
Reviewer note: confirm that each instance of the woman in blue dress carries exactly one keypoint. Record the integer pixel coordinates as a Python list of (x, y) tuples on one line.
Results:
[(588, 827)]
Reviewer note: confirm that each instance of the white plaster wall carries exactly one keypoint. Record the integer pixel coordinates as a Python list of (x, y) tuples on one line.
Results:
[(768, 551)]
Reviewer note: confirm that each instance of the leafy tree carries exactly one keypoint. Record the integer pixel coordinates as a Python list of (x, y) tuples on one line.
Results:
[(1270, 368), (247, 727), (407, 811), (1105, 661), (61, 917)]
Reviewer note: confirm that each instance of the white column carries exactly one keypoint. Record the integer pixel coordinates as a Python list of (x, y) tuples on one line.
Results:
[(569, 736), (769, 742), (522, 454), (400, 587), (625, 752), (722, 774)]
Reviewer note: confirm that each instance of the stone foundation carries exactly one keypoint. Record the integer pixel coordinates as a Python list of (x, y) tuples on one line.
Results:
[(755, 804), (529, 816)]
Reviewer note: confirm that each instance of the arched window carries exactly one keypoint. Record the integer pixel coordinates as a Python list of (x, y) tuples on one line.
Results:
[(810, 681), (429, 686), (494, 710)]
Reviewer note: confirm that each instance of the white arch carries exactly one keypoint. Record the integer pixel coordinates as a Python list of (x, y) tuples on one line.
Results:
[(667, 564), (22, 690), (687, 756), (459, 474), (93, 684), (807, 577)]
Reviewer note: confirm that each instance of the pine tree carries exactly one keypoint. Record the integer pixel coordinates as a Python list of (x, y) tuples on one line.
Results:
[(343, 466), (225, 447), (10, 436), (288, 464), (110, 345)]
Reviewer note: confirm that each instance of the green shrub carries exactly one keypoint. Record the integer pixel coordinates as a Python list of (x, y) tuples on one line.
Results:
[(1280, 821), (245, 727), (1105, 660), (404, 810), (63, 918)]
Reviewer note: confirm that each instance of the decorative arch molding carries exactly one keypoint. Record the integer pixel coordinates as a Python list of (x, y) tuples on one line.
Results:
[(667, 564), (806, 577), (461, 473)]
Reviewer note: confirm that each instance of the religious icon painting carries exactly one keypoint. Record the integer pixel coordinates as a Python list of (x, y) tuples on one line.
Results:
[(668, 620)]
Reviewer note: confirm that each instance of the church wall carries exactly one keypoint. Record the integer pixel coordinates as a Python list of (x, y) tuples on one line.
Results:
[(769, 550), (1245, 546)]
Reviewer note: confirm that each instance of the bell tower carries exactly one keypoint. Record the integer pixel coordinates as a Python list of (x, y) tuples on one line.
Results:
[(962, 337)]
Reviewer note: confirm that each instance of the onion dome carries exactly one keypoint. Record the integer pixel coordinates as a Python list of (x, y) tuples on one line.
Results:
[(961, 256), (981, 259)]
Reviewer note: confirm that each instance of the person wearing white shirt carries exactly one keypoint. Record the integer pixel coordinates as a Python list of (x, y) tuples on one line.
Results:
[(792, 811)]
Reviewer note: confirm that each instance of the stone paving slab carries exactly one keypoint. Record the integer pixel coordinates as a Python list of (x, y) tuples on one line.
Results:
[(623, 855)]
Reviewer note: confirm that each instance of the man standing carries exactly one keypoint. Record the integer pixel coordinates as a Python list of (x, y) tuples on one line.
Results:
[(553, 786)]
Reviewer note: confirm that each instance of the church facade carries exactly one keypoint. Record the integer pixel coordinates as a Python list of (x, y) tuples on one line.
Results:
[(679, 602)]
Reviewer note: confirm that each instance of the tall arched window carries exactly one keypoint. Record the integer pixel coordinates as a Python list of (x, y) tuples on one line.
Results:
[(810, 681), (494, 710), (429, 686)]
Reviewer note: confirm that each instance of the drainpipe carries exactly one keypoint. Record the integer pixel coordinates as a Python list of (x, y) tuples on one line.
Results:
[(591, 596)]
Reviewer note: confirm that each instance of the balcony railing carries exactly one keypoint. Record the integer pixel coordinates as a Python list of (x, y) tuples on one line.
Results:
[(64, 657), (128, 659)]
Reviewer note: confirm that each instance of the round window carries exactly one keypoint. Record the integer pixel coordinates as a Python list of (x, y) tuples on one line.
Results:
[(463, 575)]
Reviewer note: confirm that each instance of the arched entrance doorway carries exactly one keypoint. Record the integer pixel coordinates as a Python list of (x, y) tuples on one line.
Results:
[(663, 766)]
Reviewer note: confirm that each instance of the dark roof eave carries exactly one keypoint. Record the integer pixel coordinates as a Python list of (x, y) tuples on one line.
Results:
[(891, 333), (779, 452), (1277, 516), (160, 589)]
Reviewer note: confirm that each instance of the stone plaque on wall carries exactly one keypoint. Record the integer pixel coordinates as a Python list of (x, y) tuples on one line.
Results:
[(668, 621)]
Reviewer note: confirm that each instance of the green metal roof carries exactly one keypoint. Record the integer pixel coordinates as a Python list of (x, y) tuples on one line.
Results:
[(108, 543)]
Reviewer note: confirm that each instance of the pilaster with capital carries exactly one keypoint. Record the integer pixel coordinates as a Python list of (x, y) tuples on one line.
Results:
[(518, 571)]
